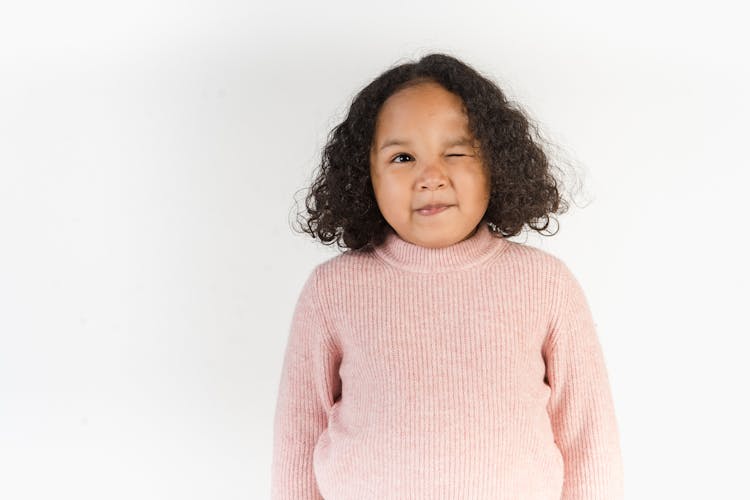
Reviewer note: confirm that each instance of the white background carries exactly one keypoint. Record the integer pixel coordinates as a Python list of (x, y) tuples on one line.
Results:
[(150, 158)]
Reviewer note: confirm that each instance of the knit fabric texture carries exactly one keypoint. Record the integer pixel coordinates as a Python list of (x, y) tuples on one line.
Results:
[(472, 371)]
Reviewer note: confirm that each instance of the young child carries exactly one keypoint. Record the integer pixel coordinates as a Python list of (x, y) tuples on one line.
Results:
[(435, 359)]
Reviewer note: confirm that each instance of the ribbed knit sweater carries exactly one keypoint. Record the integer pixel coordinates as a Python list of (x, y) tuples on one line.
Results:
[(472, 371)]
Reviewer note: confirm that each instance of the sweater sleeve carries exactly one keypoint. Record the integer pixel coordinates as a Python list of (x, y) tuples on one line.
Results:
[(308, 385), (581, 407)]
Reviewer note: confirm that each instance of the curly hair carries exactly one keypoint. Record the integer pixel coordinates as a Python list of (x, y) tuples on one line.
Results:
[(341, 205)]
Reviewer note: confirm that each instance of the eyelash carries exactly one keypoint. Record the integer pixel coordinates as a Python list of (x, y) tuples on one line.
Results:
[(406, 154)]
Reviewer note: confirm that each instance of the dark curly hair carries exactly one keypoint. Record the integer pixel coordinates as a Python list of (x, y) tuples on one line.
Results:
[(341, 203)]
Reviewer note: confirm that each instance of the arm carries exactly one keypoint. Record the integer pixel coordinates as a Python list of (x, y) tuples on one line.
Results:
[(308, 385), (581, 408)]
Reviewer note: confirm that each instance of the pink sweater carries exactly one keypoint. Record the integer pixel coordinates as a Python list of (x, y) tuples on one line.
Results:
[(467, 372)]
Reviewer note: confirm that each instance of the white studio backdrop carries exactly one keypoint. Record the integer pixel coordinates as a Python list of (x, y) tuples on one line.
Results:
[(150, 158)]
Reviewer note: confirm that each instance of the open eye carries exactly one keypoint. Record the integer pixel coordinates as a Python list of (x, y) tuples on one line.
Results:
[(398, 156)]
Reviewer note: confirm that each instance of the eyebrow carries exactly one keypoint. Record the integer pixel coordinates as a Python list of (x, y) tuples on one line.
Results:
[(460, 141)]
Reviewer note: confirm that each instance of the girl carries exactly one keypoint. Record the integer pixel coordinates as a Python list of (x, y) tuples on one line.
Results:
[(436, 359)]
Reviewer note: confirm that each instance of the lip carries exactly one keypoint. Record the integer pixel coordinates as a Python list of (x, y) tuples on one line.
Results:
[(432, 209)]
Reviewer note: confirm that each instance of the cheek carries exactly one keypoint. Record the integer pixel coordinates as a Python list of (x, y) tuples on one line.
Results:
[(486, 189), (386, 196), (378, 186), (475, 187), (393, 188)]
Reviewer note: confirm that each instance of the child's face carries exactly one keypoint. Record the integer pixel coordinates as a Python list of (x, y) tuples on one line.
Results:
[(430, 165)]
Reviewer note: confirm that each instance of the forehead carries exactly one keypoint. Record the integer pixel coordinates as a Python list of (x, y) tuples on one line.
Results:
[(422, 100), (426, 105)]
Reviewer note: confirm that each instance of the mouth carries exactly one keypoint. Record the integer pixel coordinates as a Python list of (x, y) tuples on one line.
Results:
[(432, 209)]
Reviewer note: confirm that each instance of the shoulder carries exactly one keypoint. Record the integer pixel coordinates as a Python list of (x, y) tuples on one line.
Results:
[(335, 275), (533, 259), (345, 267), (541, 270)]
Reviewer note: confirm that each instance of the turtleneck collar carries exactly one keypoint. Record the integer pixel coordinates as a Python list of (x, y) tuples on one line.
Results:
[(467, 253)]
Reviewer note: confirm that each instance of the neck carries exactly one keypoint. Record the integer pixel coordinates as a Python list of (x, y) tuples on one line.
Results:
[(473, 250)]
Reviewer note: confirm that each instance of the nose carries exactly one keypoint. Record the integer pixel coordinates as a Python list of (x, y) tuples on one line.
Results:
[(432, 177)]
